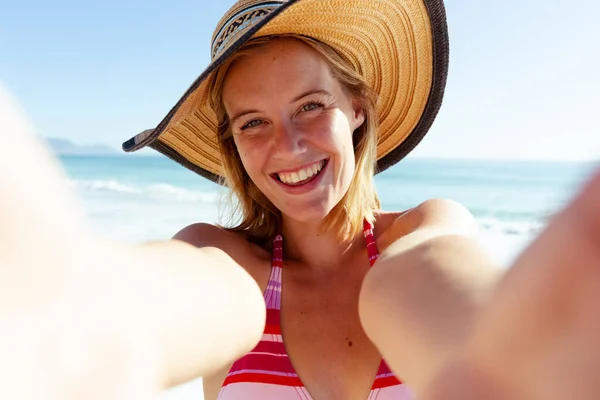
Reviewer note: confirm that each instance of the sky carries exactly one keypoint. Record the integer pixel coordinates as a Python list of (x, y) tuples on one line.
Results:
[(523, 80)]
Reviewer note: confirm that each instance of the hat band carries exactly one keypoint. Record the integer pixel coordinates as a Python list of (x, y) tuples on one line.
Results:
[(239, 22)]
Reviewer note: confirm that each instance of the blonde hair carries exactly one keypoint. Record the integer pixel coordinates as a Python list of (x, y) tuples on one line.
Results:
[(259, 220)]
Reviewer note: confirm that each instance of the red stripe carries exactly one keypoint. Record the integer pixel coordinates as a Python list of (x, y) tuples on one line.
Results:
[(265, 346), (273, 326), (263, 378), (264, 362), (273, 316), (272, 330), (386, 382)]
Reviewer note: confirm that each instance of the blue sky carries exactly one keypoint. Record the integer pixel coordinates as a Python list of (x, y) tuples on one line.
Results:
[(523, 79)]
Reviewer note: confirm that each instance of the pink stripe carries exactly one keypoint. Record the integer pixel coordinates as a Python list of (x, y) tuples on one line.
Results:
[(263, 372), (271, 337)]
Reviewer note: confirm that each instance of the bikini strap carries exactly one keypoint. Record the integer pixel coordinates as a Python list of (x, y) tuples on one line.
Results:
[(370, 240), (273, 291)]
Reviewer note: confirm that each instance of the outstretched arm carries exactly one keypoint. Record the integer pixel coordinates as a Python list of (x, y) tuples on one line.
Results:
[(81, 318), (532, 335), (418, 301), (538, 337), (206, 310)]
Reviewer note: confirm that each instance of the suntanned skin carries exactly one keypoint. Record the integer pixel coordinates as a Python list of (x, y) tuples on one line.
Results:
[(82, 318), (419, 300), (70, 323), (320, 311), (538, 336), (322, 277)]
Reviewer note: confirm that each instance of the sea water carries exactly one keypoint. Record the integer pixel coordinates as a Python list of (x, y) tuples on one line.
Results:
[(141, 198)]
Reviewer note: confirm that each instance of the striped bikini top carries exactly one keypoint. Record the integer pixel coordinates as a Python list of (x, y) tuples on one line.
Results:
[(266, 373)]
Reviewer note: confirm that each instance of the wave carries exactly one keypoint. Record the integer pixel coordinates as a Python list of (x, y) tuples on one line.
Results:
[(157, 191), (515, 224), (103, 186), (511, 228)]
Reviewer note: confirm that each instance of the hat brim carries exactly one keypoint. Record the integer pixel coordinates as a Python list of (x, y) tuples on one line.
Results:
[(400, 46)]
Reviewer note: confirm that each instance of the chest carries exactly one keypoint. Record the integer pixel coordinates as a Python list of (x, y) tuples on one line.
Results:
[(324, 338)]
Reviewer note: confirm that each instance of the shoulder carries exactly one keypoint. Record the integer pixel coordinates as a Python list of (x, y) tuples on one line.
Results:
[(441, 213), (208, 235), (203, 235), (444, 215)]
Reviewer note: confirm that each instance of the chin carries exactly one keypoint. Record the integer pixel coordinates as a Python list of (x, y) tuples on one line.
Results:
[(305, 214)]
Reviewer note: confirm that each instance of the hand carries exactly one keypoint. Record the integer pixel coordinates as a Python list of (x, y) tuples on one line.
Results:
[(81, 318), (69, 327)]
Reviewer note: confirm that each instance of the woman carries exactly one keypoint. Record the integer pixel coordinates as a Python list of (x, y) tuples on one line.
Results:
[(426, 305), (302, 101)]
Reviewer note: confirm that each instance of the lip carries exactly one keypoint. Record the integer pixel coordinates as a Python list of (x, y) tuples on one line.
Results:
[(306, 187), (289, 171)]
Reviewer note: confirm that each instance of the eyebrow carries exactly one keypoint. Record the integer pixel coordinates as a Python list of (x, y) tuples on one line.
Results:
[(241, 114), (295, 99), (310, 92)]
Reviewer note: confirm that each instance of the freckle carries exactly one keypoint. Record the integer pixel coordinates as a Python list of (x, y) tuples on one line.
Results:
[(350, 344)]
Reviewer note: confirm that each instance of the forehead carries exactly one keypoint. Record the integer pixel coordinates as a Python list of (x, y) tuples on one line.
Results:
[(281, 67)]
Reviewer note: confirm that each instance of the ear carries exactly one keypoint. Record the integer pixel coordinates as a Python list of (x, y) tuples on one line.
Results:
[(359, 114)]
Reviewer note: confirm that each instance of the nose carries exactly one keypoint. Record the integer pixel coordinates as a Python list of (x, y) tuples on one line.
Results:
[(288, 141)]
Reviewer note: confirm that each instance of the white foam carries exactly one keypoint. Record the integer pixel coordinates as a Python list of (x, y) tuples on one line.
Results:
[(511, 227), (157, 191), (102, 186), (505, 240), (180, 194)]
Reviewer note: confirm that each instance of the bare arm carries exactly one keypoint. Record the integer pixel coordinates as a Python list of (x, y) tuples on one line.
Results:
[(418, 301), (207, 310), (85, 319)]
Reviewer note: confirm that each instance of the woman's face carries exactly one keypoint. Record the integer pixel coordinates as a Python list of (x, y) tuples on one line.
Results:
[(292, 124)]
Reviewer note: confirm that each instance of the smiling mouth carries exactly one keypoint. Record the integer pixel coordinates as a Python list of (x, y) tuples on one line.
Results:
[(303, 176)]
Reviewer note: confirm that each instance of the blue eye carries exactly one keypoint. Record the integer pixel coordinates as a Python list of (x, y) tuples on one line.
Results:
[(313, 105), (252, 124)]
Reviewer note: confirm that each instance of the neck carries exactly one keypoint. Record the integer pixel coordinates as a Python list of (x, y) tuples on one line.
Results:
[(323, 251)]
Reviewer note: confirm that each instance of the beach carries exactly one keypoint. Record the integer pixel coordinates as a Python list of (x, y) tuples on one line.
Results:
[(135, 199)]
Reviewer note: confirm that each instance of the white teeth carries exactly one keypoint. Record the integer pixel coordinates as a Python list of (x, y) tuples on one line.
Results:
[(302, 175)]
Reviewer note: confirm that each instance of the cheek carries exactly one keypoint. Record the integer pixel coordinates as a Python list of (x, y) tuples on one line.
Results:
[(252, 158), (343, 135), (333, 131)]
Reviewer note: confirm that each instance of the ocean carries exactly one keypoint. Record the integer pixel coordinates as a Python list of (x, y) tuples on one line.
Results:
[(141, 198)]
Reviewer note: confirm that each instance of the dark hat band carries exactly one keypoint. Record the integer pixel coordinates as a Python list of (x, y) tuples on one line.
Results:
[(240, 21)]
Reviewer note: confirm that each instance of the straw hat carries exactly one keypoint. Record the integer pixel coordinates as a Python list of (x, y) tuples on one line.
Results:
[(399, 46)]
